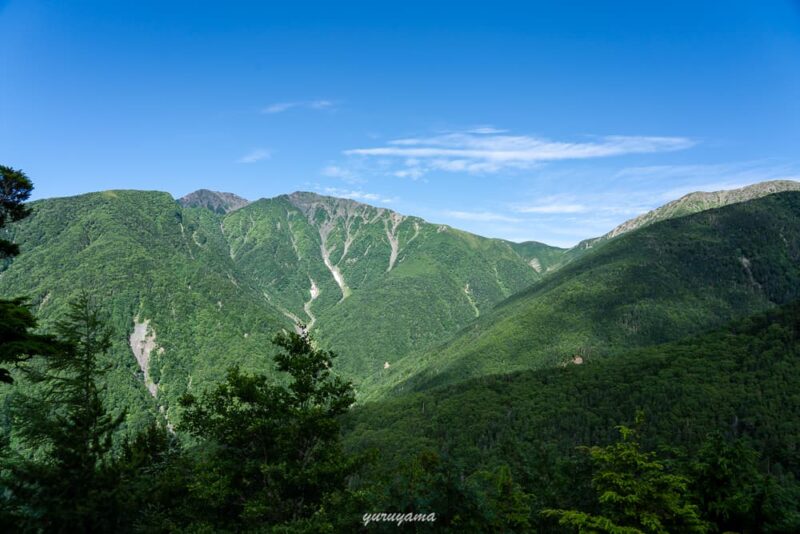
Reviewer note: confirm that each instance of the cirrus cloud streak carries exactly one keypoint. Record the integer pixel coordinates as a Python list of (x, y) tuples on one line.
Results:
[(488, 152)]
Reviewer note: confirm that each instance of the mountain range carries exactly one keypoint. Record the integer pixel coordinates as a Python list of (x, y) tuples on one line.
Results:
[(195, 285)]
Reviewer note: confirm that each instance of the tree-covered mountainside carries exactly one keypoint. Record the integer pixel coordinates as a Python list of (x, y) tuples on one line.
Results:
[(371, 283), (660, 283), (720, 407), (255, 440), (182, 306), (195, 286)]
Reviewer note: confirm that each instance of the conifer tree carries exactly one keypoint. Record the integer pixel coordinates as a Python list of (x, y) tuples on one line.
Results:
[(15, 189), (636, 493), (17, 342), (63, 478)]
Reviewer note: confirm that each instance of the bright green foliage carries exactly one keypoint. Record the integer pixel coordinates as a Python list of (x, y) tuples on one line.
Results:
[(63, 479), (221, 283), (660, 283), (637, 495), (390, 303), (136, 253), (269, 456), (206, 284)]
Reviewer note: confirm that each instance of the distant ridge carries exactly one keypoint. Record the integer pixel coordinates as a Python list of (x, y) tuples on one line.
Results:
[(701, 201), (694, 203), (216, 201)]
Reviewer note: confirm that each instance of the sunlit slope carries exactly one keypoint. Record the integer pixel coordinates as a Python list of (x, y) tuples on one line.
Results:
[(210, 280), (660, 283), (371, 283), (146, 260)]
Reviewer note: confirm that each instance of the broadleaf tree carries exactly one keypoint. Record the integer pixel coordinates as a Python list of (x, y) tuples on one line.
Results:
[(270, 454)]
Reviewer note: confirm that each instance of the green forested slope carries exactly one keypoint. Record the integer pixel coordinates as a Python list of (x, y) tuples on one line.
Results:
[(213, 283), (371, 283), (143, 258), (735, 389), (659, 283)]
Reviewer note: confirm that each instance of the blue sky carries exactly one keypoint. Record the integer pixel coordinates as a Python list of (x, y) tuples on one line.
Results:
[(551, 121)]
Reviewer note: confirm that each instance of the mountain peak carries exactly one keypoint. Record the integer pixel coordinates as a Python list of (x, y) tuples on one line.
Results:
[(216, 201)]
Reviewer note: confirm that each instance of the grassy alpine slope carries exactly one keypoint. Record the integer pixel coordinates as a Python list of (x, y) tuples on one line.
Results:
[(660, 283)]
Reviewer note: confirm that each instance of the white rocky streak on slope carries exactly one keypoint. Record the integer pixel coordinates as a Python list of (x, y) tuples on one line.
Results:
[(142, 342), (746, 264), (535, 265), (310, 205), (307, 306), (194, 238), (468, 293), (391, 234), (222, 230), (326, 259), (349, 236)]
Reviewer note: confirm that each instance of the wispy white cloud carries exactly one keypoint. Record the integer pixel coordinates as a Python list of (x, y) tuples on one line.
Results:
[(480, 216), (280, 107), (683, 179), (411, 172), (345, 174), (485, 150), (485, 130), (611, 205), (564, 206), (320, 104), (357, 195), (255, 155)]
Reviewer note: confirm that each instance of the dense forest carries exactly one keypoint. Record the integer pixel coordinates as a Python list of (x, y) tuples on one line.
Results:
[(210, 289), (698, 434)]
